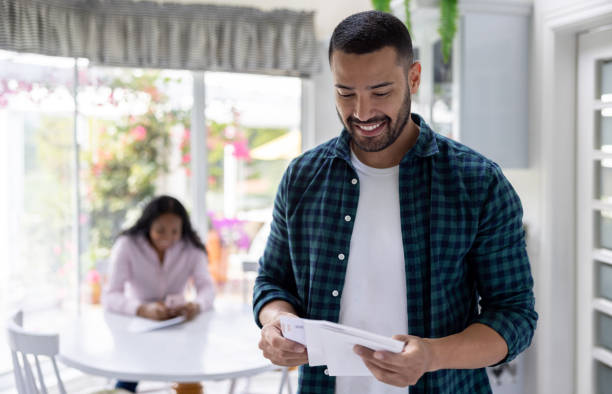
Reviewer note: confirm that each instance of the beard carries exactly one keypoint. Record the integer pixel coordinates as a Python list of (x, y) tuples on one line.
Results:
[(389, 135)]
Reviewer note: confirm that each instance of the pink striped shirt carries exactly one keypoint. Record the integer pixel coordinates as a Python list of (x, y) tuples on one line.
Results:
[(137, 277)]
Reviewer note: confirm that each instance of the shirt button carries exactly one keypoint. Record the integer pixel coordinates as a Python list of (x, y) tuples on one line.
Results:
[(326, 372), (335, 293), (354, 181), (347, 218), (341, 256)]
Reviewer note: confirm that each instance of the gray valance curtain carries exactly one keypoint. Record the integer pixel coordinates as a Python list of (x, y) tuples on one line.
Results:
[(163, 35)]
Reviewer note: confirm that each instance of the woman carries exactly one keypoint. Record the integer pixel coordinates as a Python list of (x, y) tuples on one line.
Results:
[(151, 263)]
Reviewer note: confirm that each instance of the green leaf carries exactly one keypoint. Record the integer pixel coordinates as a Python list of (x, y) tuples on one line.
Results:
[(408, 19), (382, 5), (448, 26)]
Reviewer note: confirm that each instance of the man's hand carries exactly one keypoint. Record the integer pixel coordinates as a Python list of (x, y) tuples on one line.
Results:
[(189, 310), (155, 311), (278, 349), (399, 369)]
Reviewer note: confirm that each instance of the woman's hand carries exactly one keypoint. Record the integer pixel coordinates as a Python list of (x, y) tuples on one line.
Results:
[(154, 310), (189, 310)]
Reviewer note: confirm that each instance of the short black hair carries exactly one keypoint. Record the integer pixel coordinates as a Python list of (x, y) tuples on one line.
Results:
[(370, 31)]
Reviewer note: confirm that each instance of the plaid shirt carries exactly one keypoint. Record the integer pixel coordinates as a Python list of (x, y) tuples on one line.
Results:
[(464, 245)]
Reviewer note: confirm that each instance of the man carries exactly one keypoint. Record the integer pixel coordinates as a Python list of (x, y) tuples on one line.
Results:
[(395, 229)]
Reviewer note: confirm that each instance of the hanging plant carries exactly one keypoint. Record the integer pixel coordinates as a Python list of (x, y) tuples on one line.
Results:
[(448, 26), (407, 14), (382, 5), (448, 21)]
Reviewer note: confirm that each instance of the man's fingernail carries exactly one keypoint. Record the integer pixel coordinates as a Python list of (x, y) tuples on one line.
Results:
[(378, 356)]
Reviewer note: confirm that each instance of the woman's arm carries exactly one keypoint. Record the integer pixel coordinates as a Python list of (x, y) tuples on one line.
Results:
[(113, 297), (203, 282)]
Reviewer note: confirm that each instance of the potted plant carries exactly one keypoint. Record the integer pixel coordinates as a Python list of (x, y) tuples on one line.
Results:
[(448, 19)]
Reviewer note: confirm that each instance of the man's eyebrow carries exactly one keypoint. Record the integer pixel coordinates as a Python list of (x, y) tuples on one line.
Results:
[(380, 85)]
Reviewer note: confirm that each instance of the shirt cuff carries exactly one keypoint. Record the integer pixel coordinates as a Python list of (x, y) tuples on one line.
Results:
[(131, 306), (271, 296)]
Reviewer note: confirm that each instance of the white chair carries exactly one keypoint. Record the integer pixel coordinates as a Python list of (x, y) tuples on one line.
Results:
[(24, 346), (27, 346)]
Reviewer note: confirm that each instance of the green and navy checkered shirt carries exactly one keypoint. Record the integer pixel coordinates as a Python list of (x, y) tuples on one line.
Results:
[(464, 249)]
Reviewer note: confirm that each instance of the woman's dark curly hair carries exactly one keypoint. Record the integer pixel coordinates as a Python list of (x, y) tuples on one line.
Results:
[(159, 206)]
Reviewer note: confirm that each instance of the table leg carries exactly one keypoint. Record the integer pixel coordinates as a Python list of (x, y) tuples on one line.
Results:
[(188, 388)]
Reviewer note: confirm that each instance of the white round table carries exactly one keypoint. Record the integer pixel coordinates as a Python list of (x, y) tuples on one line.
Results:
[(216, 345)]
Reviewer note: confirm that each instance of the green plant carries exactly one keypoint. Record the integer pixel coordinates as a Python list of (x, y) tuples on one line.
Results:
[(126, 156), (448, 21), (448, 26), (382, 5), (408, 20)]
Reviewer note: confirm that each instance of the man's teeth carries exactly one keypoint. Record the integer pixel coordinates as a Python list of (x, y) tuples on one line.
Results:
[(370, 127)]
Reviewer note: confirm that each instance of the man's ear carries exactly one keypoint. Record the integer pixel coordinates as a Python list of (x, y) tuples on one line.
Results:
[(414, 77)]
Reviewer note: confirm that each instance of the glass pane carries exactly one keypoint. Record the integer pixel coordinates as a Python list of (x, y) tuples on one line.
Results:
[(603, 177), (604, 124), (604, 331), (604, 218), (606, 81), (605, 281), (135, 124), (253, 125), (604, 378), (36, 203), (442, 106)]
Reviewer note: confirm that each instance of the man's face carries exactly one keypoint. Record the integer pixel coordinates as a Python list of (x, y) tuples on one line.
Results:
[(372, 96)]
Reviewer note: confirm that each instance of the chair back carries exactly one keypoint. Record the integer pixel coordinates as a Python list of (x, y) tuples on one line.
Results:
[(26, 350)]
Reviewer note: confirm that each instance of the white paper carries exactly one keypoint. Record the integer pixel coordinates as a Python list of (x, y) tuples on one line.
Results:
[(293, 329), (315, 345), (332, 344), (341, 359), (139, 324)]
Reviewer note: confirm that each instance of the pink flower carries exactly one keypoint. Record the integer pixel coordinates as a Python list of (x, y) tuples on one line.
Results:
[(186, 158), (139, 133), (93, 276), (241, 150), (230, 132)]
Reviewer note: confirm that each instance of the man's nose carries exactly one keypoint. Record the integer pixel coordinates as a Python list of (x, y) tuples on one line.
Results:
[(363, 109)]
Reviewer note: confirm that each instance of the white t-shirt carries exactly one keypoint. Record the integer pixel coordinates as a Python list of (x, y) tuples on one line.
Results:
[(374, 294)]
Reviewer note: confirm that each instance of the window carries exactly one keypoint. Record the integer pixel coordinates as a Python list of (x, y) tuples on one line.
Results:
[(253, 131), (135, 140), (132, 128), (36, 204)]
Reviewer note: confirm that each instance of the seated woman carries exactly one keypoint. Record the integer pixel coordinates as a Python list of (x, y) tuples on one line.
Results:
[(151, 263)]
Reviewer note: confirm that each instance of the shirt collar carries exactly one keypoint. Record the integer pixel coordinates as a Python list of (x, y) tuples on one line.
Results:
[(425, 145)]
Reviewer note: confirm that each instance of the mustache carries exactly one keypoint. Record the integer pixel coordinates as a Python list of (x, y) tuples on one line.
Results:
[(352, 119)]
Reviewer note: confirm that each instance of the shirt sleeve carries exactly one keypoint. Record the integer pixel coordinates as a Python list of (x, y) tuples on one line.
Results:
[(113, 297), (275, 279), (205, 288), (499, 260)]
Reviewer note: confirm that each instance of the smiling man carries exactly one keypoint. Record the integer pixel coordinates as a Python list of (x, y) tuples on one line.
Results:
[(395, 229)]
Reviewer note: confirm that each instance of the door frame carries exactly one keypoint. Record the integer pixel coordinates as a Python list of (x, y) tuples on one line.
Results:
[(555, 107)]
